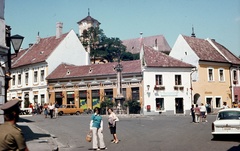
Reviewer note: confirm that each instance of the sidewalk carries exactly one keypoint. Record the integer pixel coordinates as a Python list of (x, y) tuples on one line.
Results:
[(37, 139)]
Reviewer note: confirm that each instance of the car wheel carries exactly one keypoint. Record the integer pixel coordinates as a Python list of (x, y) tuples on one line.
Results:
[(77, 113), (60, 113)]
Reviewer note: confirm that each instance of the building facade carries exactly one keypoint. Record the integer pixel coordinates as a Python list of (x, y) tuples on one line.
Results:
[(166, 83), (212, 79), (31, 67), (88, 86)]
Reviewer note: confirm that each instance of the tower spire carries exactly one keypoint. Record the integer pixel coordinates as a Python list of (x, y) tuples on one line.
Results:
[(88, 12), (193, 34)]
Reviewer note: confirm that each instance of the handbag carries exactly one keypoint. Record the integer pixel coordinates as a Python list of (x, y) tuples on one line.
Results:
[(117, 119), (89, 137)]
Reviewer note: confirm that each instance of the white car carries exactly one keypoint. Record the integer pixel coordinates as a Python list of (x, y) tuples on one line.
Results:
[(227, 122)]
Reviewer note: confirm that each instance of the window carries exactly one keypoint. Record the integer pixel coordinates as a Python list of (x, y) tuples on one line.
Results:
[(19, 79), (135, 94), (26, 78), (35, 76), (13, 80), (210, 74), (158, 79), (218, 102), (178, 80), (235, 75), (221, 75), (159, 104), (42, 75)]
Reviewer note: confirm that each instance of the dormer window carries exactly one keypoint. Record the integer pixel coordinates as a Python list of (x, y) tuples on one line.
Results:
[(68, 72), (90, 70)]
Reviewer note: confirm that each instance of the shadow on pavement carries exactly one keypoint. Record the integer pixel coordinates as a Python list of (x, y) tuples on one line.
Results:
[(24, 120), (234, 148), (30, 135)]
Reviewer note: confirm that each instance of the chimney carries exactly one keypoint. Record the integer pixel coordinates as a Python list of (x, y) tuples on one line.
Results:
[(38, 38), (30, 45), (59, 27)]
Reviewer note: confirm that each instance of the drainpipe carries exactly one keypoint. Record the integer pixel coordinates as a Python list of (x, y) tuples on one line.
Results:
[(194, 70), (231, 86)]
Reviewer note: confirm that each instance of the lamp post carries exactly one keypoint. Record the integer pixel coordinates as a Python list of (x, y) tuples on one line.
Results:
[(16, 42)]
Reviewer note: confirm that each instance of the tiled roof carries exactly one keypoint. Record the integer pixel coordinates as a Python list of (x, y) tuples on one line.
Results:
[(204, 50), (155, 58), (38, 52), (89, 19), (133, 45), (72, 71), (228, 54)]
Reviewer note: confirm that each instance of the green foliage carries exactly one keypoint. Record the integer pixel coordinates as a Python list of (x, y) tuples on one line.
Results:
[(110, 49), (134, 106), (107, 103)]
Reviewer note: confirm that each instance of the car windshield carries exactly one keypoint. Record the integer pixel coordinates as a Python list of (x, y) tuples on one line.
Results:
[(225, 115)]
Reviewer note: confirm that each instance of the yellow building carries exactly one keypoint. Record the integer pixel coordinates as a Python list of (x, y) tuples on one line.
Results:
[(87, 86), (212, 78)]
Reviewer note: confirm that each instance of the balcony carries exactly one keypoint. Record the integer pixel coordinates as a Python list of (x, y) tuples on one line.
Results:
[(178, 87), (159, 87)]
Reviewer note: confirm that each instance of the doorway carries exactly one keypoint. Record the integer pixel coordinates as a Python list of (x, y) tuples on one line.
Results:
[(179, 105)]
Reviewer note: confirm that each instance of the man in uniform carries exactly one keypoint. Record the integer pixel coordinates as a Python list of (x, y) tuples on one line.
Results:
[(11, 137)]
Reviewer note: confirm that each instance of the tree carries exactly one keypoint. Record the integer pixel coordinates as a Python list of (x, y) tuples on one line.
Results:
[(101, 46), (91, 39)]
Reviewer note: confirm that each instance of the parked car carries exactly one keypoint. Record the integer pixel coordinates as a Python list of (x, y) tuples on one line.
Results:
[(227, 122), (69, 109)]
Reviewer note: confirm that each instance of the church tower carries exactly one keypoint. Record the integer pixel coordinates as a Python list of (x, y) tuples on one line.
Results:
[(87, 22)]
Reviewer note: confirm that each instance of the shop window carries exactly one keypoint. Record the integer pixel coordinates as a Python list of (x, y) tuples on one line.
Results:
[(218, 102), (135, 94), (159, 104)]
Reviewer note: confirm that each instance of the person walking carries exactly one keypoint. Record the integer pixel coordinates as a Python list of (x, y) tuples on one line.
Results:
[(112, 124), (193, 114), (96, 127), (45, 106), (11, 137), (51, 108), (197, 113), (56, 106), (203, 112)]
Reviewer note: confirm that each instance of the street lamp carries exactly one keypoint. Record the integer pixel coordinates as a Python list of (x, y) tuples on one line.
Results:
[(16, 41)]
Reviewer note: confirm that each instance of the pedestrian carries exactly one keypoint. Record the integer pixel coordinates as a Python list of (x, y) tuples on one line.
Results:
[(112, 124), (203, 112), (45, 106), (11, 137), (197, 113), (56, 106), (193, 114), (225, 105), (96, 127), (51, 108)]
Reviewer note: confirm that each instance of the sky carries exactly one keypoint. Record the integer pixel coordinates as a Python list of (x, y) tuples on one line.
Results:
[(125, 19)]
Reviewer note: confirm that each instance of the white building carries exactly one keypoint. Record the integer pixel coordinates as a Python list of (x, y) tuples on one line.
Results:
[(166, 83), (33, 65)]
